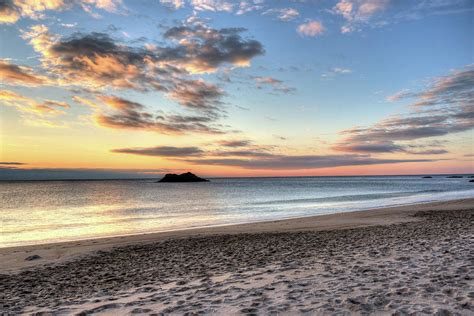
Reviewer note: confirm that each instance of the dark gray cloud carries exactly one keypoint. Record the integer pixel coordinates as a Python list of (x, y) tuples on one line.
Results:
[(259, 158), (387, 147), (255, 153), (98, 61), (162, 151), (282, 162), (203, 49), (430, 152), (372, 147), (234, 143), (184, 152), (10, 164)]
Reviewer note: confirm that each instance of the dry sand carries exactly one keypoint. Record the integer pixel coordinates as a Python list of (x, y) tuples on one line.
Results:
[(410, 259)]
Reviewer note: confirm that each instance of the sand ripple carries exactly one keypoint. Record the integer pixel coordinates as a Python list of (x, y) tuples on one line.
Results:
[(424, 266)]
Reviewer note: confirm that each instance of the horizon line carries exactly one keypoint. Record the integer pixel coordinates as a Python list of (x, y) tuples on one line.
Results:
[(242, 177)]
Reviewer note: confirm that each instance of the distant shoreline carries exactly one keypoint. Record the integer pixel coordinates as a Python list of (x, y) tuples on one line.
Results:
[(465, 175)]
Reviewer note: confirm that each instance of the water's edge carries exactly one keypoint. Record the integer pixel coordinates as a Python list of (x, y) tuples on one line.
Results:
[(226, 225)]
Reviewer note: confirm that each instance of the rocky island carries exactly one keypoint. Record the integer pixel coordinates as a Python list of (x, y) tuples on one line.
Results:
[(184, 177)]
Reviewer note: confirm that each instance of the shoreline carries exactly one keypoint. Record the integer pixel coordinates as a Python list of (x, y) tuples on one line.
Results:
[(12, 258), (213, 226)]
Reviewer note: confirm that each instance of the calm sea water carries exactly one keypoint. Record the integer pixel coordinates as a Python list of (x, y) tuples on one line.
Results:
[(51, 211)]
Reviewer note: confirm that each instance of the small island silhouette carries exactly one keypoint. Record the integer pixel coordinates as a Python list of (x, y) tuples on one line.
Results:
[(184, 177)]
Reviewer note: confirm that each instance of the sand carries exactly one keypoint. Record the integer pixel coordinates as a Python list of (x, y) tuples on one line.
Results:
[(410, 259)]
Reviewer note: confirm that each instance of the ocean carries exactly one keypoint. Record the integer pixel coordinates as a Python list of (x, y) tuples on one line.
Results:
[(34, 212)]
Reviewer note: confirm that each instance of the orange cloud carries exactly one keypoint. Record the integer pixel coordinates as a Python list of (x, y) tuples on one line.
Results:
[(8, 13), (19, 75), (12, 10), (28, 105)]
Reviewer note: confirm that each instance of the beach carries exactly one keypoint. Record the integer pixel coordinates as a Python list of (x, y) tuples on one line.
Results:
[(407, 259)]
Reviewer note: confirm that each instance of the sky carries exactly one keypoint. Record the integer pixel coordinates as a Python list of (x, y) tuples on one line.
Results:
[(122, 88)]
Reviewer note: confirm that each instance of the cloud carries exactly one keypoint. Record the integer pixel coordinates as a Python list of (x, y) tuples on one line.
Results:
[(86, 102), (186, 152), (93, 60), (119, 103), (455, 88), (161, 151), (203, 49), (276, 84), (358, 12), (9, 13), (96, 61), (197, 94), (107, 5), (212, 5), (175, 4), (131, 115), (445, 107), (372, 147), (34, 8), (247, 6), (405, 128), (258, 158), (283, 14), (252, 153), (11, 163), (19, 75), (52, 103), (398, 96), (422, 9), (430, 152), (376, 147), (339, 70), (336, 71), (12, 10), (234, 143), (311, 28), (282, 162), (31, 106)]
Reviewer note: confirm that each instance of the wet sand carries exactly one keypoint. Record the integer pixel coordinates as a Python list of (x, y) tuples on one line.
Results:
[(406, 259)]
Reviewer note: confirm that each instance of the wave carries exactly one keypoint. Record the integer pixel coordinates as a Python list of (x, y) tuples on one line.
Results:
[(346, 198)]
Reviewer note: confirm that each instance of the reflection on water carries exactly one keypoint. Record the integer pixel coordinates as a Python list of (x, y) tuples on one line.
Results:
[(37, 212)]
